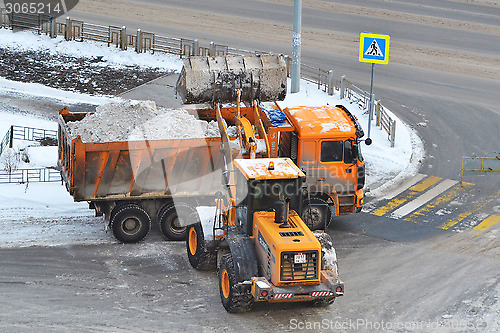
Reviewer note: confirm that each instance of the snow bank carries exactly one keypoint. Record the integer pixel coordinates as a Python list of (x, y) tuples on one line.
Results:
[(37, 90), (111, 56), (139, 120)]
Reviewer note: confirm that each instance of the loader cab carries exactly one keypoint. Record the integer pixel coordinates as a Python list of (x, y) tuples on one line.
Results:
[(260, 183)]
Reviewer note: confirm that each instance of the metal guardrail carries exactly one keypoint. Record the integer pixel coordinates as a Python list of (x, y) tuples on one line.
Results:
[(385, 122), (6, 141), (4, 19), (354, 94), (323, 78), (480, 165), (47, 137), (32, 134), (23, 176), (362, 99)]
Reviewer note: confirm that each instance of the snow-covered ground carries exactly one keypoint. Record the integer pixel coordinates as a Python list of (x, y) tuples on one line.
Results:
[(44, 213), (111, 56)]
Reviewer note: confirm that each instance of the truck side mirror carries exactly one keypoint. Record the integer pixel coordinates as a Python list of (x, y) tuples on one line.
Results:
[(355, 152)]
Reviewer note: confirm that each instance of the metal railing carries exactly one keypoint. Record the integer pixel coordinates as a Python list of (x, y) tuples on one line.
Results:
[(22, 176), (362, 99), (4, 19), (384, 121), (321, 77), (479, 165), (44, 136), (6, 141), (32, 134), (354, 94)]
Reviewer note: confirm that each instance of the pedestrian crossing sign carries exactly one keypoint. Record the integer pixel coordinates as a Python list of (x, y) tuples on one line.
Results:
[(374, 48)]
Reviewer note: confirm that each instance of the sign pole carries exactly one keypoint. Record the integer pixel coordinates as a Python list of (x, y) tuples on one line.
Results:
[(374, 49), (296, 42), (370, 111)]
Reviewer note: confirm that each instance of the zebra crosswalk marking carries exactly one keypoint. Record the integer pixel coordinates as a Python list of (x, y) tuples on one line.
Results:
[(424, 185), (487, 223), (381, 211), (394, 203), (439, 201), (412, 181), (424, 198), (450, 223)]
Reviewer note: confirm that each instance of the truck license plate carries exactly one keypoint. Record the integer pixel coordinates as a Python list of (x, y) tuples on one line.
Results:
[(300, 258)]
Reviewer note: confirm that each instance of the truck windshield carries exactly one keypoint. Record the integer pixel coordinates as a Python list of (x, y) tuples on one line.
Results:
[(266, 193)]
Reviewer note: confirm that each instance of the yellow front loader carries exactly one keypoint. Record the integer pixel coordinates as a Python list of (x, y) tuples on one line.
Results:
[(262, 249)]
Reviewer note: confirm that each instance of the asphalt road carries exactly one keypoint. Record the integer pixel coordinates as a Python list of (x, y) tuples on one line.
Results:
[(410, 276)]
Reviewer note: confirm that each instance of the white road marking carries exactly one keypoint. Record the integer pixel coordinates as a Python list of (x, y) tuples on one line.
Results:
[(406, 185), (423, 199)]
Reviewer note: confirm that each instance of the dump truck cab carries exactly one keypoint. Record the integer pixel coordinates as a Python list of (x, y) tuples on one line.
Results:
[(263, 250), (323, 141), (328, 151)]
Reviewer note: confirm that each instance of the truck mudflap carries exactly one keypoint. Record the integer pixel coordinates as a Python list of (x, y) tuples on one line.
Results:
[(265, 291)]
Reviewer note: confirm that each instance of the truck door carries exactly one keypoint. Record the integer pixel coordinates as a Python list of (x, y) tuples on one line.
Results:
[(338, 165), (308, 161)]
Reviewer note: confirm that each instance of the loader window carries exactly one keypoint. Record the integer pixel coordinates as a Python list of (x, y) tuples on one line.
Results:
[(331, 151), (266, 193)]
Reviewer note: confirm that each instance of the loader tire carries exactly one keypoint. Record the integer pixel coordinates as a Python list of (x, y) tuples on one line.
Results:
[(199, 254), (233, 299), (170, 220), (130, 223), (317, 214)]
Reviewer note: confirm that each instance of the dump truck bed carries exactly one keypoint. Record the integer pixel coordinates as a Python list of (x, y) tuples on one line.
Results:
[(137, 169)]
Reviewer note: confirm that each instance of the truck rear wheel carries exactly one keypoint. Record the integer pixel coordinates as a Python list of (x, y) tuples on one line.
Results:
[(130, 223), (234, 300), (199, 254), (171, 221), (317, 213)]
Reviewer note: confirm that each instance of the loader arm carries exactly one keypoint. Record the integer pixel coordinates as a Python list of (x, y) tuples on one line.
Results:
[(260, 127), (247, 135), (227, 155)]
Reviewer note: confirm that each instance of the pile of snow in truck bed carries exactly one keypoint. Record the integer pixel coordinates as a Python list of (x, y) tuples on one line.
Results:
[(140, 120)]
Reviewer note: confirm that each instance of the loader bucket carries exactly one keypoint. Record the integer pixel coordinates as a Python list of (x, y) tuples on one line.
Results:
[(216, 79)]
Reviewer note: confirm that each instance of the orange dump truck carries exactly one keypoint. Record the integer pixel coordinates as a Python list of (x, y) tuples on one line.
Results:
[(134, 182)]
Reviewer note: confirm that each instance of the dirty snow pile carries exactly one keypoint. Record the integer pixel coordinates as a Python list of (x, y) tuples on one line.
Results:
[(139, 120)]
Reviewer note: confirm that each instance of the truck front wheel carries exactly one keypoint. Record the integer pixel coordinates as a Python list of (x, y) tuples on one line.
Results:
[(130, 223), (317, 213), (233, 299)]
